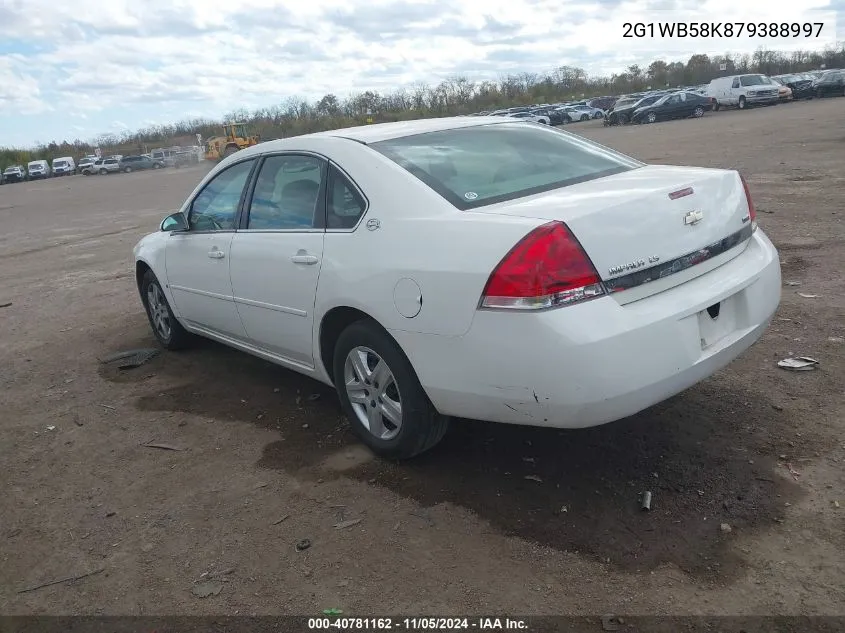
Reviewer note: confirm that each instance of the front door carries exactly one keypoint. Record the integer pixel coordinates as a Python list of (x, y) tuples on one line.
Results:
[(277, 255), (197, 260)]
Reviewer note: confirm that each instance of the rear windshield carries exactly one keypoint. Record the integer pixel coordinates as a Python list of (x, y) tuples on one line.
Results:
[(486, 164)]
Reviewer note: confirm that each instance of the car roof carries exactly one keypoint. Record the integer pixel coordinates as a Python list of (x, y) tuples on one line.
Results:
[(384, 131)]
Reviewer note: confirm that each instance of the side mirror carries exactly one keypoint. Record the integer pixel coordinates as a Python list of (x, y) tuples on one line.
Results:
[(174, 222)]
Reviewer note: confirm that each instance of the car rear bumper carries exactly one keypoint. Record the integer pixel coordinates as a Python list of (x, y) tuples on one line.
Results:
[(599, 361)]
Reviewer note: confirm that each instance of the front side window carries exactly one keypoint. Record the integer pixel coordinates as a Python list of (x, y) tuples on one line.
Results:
[(485, 164), (216, 206), (286, 194)]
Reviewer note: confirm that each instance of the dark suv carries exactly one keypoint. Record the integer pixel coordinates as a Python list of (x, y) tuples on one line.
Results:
[(137, 163)]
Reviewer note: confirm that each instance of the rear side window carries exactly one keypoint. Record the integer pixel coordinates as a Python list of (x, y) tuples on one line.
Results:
[(481, 165), (345, 204)]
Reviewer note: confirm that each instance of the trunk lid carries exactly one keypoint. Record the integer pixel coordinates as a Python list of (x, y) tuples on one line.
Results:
[(641, 239)]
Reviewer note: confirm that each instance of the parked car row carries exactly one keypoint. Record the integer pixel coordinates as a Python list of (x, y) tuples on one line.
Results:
[(659, 105), (551, 114), (91, 164), (740, 91)]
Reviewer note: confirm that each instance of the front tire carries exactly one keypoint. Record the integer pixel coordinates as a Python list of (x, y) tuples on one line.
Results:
[(381, 395), (104, 172), (166, 328), (698, 112), (651, 117), (742, 103), (127, 170)]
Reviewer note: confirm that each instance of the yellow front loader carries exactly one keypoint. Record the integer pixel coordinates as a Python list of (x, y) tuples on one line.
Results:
[(235, 137)]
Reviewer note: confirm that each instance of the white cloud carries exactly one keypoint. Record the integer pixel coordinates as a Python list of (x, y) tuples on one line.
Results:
[(154, 57), (19, 93)]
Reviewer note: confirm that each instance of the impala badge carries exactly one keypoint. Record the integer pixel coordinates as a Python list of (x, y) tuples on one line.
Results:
[(693, 217)]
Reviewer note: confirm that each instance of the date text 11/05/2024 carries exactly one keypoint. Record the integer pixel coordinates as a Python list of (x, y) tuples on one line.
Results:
[(418, 624), (721, 29)]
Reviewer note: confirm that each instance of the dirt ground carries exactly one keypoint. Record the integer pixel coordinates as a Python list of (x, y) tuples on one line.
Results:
[(267, 460)]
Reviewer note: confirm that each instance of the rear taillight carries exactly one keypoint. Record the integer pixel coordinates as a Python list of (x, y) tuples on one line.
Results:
[(547, 268), (752, 212)]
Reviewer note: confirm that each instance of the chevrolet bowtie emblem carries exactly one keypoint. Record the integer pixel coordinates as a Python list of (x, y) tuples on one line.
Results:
[(693, 217)]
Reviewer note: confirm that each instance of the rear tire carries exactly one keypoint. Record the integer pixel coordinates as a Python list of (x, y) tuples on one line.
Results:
[(127, 170), (365, 353), (156, 166), (104, 172), (166, 328)]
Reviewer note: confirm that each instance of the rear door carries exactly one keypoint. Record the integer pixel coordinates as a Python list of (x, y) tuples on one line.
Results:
[(277, 254), (685, 105)]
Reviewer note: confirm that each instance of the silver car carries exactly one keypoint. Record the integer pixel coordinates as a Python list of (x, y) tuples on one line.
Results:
[(103, 166)]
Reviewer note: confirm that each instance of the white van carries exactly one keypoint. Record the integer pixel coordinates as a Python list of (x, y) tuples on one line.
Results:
[(64, 166), (742, 91), (38, 169)]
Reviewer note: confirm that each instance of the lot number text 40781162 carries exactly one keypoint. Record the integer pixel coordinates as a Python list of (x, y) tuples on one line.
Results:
[(417, 624), (721, 29)]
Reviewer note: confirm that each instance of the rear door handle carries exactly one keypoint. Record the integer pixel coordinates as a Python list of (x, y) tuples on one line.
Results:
[(215, 254), (304, 259)]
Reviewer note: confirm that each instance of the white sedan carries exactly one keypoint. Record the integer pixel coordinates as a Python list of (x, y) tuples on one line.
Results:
[(528, 116), (472, 267)]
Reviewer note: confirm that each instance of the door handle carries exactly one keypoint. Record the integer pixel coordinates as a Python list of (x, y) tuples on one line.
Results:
[(304, 259), (215, 254)]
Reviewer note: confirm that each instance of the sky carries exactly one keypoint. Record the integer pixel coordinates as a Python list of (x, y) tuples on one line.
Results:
[(86, 67)]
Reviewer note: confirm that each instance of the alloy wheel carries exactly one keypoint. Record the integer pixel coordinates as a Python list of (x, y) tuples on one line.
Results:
[(373, 393), (159, 313)]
